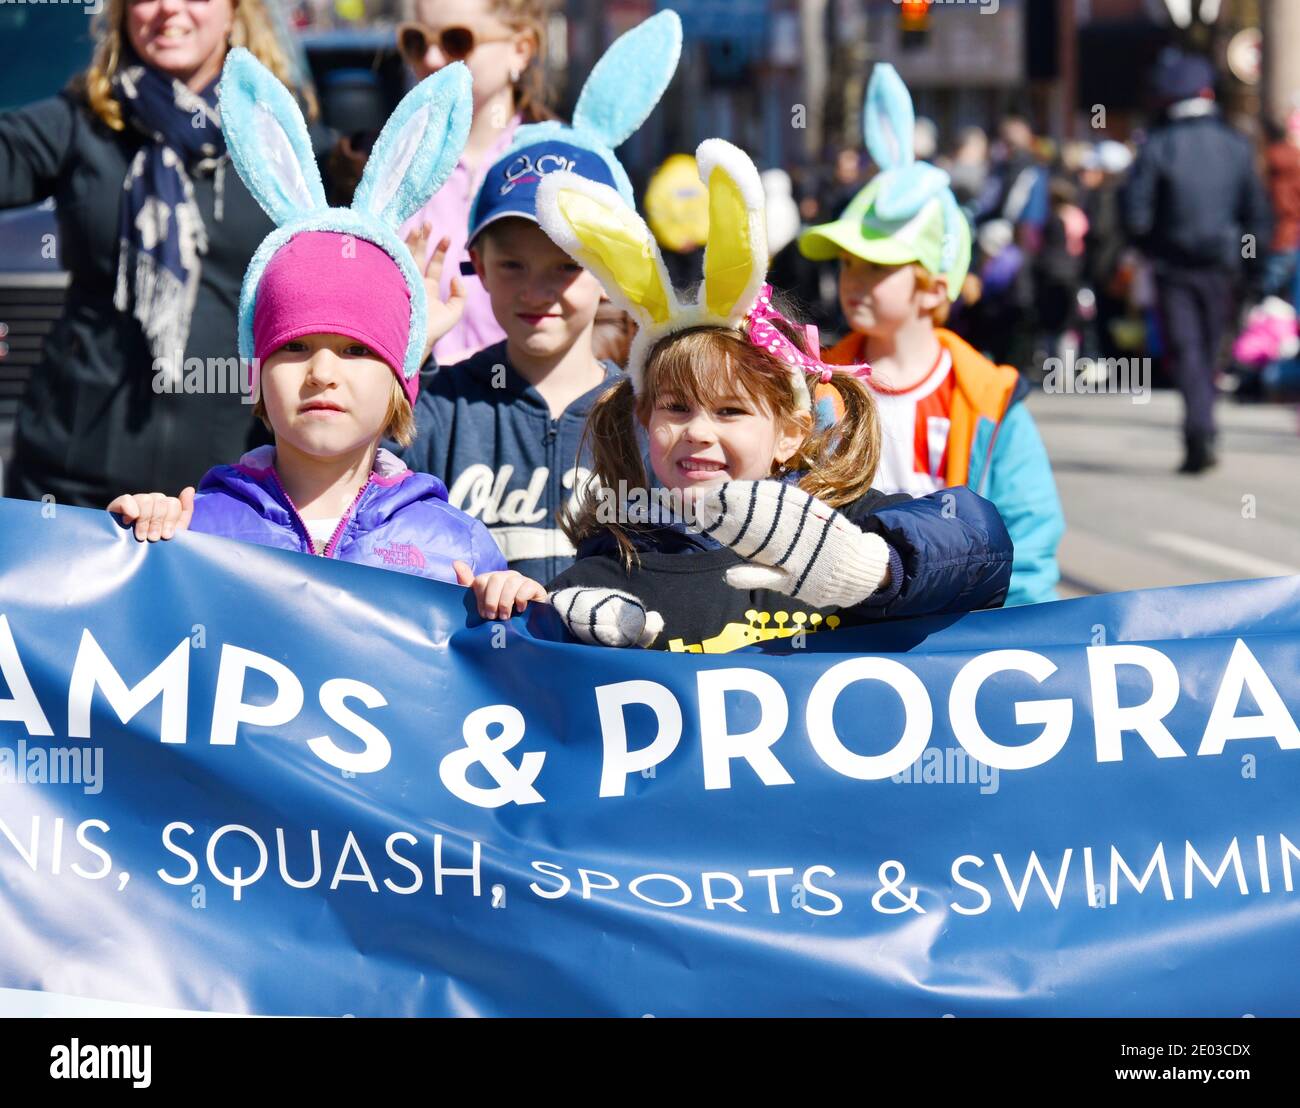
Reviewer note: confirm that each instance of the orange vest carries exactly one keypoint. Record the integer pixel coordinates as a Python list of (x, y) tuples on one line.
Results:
[(983, 390)]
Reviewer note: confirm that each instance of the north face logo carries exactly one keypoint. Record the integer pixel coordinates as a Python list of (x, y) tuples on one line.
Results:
[(401, 554)]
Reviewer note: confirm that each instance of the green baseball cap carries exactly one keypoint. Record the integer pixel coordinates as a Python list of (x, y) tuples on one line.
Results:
[(935, 235), (907, 213)]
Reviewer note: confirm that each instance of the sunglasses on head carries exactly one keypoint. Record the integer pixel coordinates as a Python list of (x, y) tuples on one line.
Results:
[(456, 43)]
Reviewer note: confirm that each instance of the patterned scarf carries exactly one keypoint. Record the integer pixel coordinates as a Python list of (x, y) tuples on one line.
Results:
[(161, 231)]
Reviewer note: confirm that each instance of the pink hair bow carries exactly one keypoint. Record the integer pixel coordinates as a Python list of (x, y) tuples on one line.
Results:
[(764, 334)]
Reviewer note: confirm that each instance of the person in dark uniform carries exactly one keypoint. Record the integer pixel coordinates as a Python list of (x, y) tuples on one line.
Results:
[(1194, 205)]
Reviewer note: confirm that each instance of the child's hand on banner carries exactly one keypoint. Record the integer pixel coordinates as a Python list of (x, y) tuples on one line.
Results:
[(499, 594), (155, 515), (796, 544), (443, 314), (606, 617)]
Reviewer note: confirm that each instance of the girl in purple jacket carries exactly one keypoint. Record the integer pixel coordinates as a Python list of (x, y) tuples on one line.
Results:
[(334, 324)]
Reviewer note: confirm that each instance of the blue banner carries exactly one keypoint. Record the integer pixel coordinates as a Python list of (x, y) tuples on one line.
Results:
[(234, 779)]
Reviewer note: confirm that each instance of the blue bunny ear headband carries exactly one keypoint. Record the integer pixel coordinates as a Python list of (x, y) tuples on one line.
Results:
[(907, 213), (620, 93), (271, 151)]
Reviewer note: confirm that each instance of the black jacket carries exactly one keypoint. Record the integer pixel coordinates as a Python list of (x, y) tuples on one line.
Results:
[(950, 553), (1194, 194), (90, 425)]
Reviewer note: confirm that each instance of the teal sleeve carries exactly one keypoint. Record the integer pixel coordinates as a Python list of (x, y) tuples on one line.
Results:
[(1021, 487)]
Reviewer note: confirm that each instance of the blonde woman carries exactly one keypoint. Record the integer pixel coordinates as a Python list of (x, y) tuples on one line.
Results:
[(156, 233), (502, 43)]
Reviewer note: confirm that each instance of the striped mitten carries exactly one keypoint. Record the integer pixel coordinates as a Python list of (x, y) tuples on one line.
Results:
[(606, 617), (795, 543)]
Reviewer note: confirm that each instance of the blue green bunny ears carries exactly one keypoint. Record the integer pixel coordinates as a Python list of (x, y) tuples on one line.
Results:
[(907, 212), (415, 153), (619, 94), (889, 127)]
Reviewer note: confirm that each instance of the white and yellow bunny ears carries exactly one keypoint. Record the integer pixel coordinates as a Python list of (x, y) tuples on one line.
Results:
[(595, 226)]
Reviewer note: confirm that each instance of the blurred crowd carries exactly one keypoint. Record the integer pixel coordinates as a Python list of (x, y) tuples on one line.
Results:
[(1059, 269), (1169, 248)]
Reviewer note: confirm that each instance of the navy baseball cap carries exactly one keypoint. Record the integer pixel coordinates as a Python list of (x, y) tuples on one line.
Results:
[(510, 187), (1181, 76)]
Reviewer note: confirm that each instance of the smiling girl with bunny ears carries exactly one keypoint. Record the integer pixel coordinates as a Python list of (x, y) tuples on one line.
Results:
[(787, 534), (335, 313)]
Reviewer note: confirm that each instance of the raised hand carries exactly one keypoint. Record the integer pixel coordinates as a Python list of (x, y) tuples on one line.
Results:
[(443, 314), (795, 543)]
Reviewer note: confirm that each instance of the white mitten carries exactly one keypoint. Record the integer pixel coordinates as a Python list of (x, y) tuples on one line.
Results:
[(796, 544), (606, 617)]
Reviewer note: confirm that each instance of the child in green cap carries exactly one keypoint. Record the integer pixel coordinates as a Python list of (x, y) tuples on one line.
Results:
[(948, 415)]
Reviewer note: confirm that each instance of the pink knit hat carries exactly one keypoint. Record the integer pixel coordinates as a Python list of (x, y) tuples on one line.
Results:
[(323, 282)]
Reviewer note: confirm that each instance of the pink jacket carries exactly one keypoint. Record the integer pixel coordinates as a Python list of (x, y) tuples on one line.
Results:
[(448, 212)]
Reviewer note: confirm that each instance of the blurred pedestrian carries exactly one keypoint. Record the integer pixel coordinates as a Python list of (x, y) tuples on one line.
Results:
[(845, 182), (1283, 160), (1058, 268), (1021, 196), (1196, 207), (156, 235), (995, 323), (968, 168), (1104, 268)]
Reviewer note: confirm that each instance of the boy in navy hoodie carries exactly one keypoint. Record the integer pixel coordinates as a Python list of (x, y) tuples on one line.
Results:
[(503, 427)]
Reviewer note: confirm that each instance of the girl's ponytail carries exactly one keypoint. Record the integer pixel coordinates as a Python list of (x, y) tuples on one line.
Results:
[(611, 436), (839, 462)]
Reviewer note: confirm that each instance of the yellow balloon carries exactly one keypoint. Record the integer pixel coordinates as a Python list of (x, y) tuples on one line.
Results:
[(677, 205)]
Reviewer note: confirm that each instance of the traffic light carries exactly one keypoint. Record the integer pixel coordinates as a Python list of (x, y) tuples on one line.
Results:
[(914, 22)]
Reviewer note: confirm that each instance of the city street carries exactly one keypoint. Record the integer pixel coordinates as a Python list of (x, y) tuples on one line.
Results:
[(1133, 523)]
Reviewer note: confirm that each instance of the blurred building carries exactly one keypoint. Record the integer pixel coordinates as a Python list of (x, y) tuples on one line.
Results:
[(742, 76), (785, 78), (1118, 42)]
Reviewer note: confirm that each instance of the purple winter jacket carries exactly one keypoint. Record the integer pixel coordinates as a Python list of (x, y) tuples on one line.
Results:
[(400, 520)]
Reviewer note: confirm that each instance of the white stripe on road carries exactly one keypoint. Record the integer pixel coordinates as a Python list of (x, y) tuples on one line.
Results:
[(1249, 565)]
